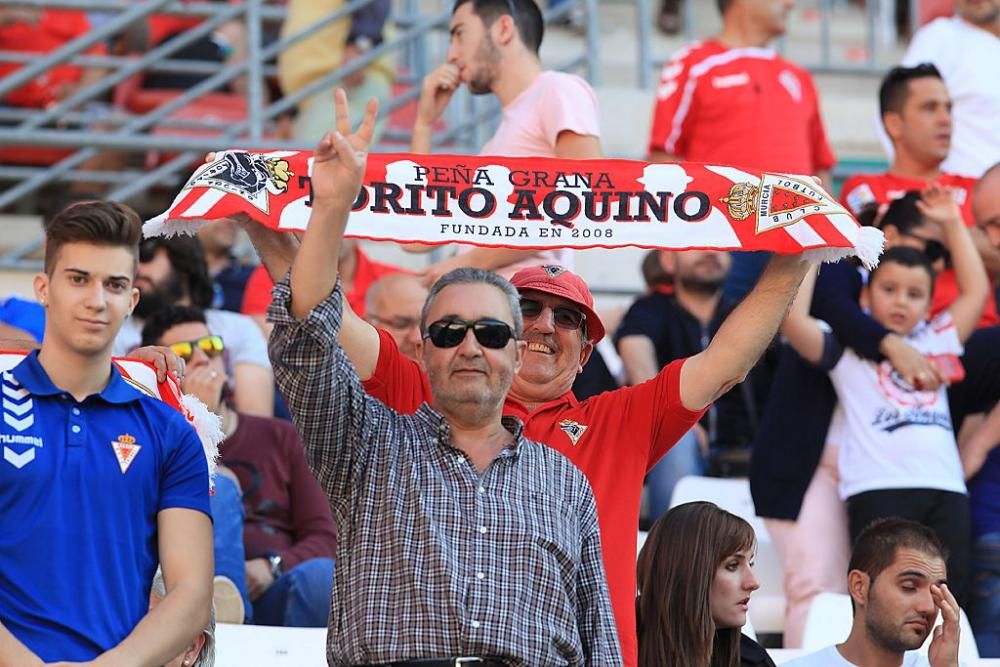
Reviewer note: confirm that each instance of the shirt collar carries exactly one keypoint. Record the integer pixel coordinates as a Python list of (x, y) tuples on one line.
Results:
[(33, 377), (516, 408), (438, 425)]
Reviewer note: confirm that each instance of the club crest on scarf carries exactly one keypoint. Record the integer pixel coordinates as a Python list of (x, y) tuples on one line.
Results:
[(252, 176), (778, 201)]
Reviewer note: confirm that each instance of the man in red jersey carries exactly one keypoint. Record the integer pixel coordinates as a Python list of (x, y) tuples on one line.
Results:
[(916, 113), (732, 100)]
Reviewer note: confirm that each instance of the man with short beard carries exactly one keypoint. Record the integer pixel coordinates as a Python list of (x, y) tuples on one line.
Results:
[(897, 582), (494, 50), (660, 328), (966, 49)]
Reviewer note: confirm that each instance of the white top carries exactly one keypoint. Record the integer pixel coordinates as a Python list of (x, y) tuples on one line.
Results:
[(893, 435), (245, 344), (830, 657), (969, 60)]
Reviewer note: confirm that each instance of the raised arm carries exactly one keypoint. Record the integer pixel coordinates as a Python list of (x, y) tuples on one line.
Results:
[(744, 335), (937, 204), (800, 328)]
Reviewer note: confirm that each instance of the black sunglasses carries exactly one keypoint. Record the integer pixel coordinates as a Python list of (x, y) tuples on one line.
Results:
[(490, 333), (563, 316)]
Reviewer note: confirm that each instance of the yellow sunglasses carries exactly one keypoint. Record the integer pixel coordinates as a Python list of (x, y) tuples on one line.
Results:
[(210, 345)]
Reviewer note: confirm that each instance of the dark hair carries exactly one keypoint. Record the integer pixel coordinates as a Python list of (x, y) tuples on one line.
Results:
[(877, 545), (525, 13), (104, 223), (653, 272), (904, 256), (188, 261), (167, 318), (676, 568), (896, 86), (723, 5), (903, 214)]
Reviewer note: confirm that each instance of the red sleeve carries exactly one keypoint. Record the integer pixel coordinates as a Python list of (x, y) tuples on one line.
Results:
[(822, 155), (313, 524), (398, 381), (257, 295), (671, 117), (857, 193)]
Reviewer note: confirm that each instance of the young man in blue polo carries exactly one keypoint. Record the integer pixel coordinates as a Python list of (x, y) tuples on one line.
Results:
[(99, 482)]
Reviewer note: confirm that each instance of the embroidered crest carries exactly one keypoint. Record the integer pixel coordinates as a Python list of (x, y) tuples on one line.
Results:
[(125, 451), (778, 201), (252, 176), (573, 429), (552, 270)]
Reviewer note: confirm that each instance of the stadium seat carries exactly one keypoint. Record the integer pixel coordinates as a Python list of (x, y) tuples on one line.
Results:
[(829, 622), (264, 646), (767, 606)]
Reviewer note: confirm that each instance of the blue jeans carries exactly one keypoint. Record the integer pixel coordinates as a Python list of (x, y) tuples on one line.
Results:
[(227, 526), (683, 459), (984, 602), (300, 598)]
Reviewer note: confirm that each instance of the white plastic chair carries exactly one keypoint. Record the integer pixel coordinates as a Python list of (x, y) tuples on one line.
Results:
[(830, 618), (767, 605), (264, 646)]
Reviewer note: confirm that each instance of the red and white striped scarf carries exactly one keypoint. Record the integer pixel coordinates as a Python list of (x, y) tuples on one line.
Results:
[(536, 203)]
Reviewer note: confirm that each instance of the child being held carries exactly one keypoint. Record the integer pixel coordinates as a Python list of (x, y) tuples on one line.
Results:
[(898, 455)]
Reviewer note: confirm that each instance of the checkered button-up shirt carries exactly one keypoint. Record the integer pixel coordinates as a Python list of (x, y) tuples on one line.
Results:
[(436, 559)]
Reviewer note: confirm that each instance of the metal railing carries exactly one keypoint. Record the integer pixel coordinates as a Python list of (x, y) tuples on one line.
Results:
[(417, 38), (879, 37)]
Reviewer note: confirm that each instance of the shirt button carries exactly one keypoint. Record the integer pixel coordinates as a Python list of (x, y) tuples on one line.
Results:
[(76, 429), (482, 530), (475, 624), (481, 490), (480, 575), (76, 411), (459, 460)]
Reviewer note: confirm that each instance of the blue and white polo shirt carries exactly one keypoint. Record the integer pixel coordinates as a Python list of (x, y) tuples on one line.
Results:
[(81, 484)]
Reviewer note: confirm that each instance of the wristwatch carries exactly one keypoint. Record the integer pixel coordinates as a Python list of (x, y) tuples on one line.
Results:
[(275, 561)]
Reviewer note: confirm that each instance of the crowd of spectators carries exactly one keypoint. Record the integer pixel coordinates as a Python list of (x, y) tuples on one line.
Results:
[(868, 428)]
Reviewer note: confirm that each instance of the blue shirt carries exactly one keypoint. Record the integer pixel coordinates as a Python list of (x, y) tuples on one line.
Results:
[(81, 484), (24, 314)]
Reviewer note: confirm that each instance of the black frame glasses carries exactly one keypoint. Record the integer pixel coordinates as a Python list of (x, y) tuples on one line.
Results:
[(563, 316), (212, 345), (450, 332)]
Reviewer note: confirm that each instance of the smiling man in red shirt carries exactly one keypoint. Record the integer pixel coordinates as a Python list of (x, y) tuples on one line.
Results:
[(614, 437)]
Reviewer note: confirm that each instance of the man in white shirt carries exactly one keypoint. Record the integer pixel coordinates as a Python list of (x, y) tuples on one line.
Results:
[(966, 49), (897, 582)]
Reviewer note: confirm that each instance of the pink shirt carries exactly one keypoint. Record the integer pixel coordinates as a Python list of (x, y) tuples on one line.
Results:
[(555, 102)]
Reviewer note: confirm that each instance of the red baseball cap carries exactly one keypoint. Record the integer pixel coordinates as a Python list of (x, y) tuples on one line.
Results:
[(560, 281)]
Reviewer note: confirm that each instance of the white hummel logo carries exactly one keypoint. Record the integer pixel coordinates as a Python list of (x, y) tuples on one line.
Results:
[(17, 404)]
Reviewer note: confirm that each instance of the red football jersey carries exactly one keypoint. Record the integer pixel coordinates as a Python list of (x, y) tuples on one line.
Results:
[(862, 189), (746, 107)]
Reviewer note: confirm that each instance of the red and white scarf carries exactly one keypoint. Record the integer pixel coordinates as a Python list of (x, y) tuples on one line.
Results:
[(536, 203)]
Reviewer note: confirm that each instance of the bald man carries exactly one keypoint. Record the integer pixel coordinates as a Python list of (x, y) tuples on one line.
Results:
[(393, 303)]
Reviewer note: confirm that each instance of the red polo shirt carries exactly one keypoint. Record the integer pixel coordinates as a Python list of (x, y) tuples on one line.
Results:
[(257, 294), (747, 107), (614, 438), (55, 28), (862, 189)]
